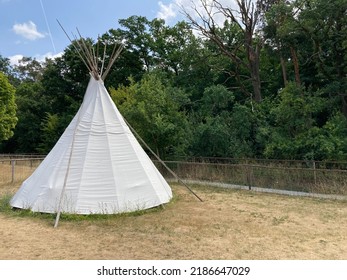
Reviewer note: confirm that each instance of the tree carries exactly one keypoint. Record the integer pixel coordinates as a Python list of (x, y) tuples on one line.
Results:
[(283, 34), (5, 66), (311, 36), (137, 38), (245, 18), (128, 63), (50, 128), (7, 69), (325, 25), (152, 107), (29, 69), (8, 119), (293, 125), (31, 107), (222, 127), (183, 57)]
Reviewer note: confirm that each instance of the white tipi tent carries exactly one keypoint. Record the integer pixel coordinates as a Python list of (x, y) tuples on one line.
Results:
[(97, 166)]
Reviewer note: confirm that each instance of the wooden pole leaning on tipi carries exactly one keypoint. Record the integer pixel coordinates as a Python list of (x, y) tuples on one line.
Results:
[(97, 166), (90, 59)]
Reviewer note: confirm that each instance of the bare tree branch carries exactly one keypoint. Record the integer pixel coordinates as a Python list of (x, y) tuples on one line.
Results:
[(245, 15)]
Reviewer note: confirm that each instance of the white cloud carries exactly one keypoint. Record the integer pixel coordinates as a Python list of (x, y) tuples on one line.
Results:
[(14, 60), (166, 12), (27, 30), (195, 9), (48, 55)]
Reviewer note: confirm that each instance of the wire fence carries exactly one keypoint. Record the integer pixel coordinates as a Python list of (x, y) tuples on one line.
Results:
[(16, 170), (299, 176)]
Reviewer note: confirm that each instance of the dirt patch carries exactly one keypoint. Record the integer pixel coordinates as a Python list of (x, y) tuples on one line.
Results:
[(229, 224)]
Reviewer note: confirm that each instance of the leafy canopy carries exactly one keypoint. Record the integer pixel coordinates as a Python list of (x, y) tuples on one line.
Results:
[(8, 119)]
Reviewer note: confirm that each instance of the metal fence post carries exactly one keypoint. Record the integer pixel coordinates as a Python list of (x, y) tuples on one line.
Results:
[(314, 173), (13, 163), (249, 175)]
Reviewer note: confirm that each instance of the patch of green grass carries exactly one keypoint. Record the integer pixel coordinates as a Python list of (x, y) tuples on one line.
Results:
[(7, 209), (5, 206), (96, 217)]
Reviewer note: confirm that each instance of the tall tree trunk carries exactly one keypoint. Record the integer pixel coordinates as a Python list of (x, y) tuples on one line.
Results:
[(246, 18), (255, 75), (284, 70), (296, 66)]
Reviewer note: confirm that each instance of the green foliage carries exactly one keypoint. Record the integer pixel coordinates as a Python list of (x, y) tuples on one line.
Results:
[(32, 106), (151, 107), (328, 142), (211, 138), (243, 132), (29, 69), (210, 123), (5, 203), (50, 132), (291, 117), (295, 132), (5, 66), (184, 96), (8, 119), (222, 127), (215, 100), (293, 110)]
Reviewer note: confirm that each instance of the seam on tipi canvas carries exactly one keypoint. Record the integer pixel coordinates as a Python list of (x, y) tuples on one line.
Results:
[(158, 175), (66, 177), (161, 179), (87, 145), (104, 91), (132, 140)]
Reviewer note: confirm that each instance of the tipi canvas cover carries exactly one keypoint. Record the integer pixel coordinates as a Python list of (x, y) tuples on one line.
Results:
[(97, 166)]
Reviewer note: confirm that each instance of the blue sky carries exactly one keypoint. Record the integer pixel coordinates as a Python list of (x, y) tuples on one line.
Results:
[(25, 32)]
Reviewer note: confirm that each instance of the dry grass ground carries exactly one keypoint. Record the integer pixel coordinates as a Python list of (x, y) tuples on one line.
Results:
[(229, 224)]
